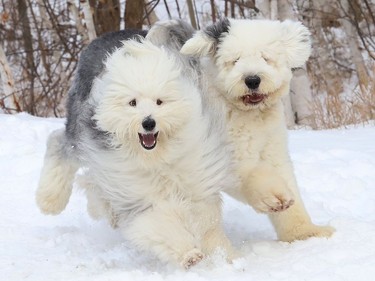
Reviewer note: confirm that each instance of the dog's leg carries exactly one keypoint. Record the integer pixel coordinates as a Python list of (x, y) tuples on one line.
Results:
[(164, 230), (295, 223), (215, 239), (97, 207), (265, 190), (292, 223), (56, 179), (209, 225)]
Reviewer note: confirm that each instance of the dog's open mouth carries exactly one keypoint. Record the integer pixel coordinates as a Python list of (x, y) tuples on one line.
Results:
[(149, 140), (253, 98)]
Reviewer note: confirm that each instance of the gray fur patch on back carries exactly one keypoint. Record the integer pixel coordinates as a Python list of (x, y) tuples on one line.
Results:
[(172, 35), (180, 33)]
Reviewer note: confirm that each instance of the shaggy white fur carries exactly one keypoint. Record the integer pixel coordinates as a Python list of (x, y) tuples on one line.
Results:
[(160, 183), (248, 67)]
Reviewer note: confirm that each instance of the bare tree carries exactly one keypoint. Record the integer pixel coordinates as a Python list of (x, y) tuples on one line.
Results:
[(151, 16), (106, 15), (300, 91), (30, 67), (351, 35), (297, 105), (134, 11), (192, 14), (8, 99), (89, 19), (78, 23), (42, 55), (213, 10), (328, 69), (265, 8)]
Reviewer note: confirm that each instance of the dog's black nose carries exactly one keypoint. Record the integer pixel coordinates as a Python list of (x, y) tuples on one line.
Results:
[(252, 82), (148, 124)]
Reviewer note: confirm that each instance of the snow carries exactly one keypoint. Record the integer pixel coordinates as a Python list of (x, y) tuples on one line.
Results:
[(336, 174)]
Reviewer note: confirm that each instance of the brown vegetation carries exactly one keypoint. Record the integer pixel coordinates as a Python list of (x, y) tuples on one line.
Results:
[(41, 41)]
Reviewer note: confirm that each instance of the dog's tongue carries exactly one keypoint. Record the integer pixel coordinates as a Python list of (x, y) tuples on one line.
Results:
[(253, 98), (148, 140)]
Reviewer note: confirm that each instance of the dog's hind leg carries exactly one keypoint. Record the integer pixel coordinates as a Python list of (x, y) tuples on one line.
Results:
[(56, 179), (97, 207)]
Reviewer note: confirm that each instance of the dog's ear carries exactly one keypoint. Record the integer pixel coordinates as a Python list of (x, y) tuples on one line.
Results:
[(297, 43), (205, 42)]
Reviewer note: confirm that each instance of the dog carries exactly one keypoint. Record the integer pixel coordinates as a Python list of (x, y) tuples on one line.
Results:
[(151, 163), (246, 70)]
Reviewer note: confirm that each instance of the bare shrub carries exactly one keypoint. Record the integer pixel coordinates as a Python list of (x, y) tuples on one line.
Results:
[(42, 41), (333, 111)]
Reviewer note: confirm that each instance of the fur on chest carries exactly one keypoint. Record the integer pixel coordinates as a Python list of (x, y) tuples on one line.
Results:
[(251, 132)]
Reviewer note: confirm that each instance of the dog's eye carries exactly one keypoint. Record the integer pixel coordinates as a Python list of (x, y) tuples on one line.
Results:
[(267, 60), (159, 101), (133, 103), (236, 60)]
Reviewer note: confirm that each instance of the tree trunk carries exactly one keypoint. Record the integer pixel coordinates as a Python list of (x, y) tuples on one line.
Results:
[(264, 7), (8, 100), (152, 18), (301, 97), (351, 35), (29, 101), (80, 28), (329, 78), (274, 12), (89, 19), (300, 89), (106, 15), (269, 10), (213, 10), (192, 14), (45, 19), (134, 11)]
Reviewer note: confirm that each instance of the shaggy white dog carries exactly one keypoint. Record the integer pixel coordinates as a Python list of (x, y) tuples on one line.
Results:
[(248, 70), (151, 164)]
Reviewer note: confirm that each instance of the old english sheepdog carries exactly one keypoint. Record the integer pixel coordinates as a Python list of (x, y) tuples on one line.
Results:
[(248, 67), (152, 164)]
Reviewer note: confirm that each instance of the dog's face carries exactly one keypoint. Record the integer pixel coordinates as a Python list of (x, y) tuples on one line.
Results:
[(143, 100), (253, 58)]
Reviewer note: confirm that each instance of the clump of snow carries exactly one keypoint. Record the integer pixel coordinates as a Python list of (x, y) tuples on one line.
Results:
[(336, 174)]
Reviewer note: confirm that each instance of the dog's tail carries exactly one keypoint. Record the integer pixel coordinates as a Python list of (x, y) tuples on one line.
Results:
[(57, 176), (172, 34)]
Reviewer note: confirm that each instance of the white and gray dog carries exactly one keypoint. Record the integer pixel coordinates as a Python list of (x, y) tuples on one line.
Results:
[(152, 163), (247, 68)]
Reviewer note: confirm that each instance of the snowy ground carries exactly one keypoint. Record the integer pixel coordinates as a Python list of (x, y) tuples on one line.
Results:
[(335, 170)]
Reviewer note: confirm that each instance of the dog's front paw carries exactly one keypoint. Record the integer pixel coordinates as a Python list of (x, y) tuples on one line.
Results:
[(192, 258), (306, 231), (265, 190), (273, 202), (278, 203)]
